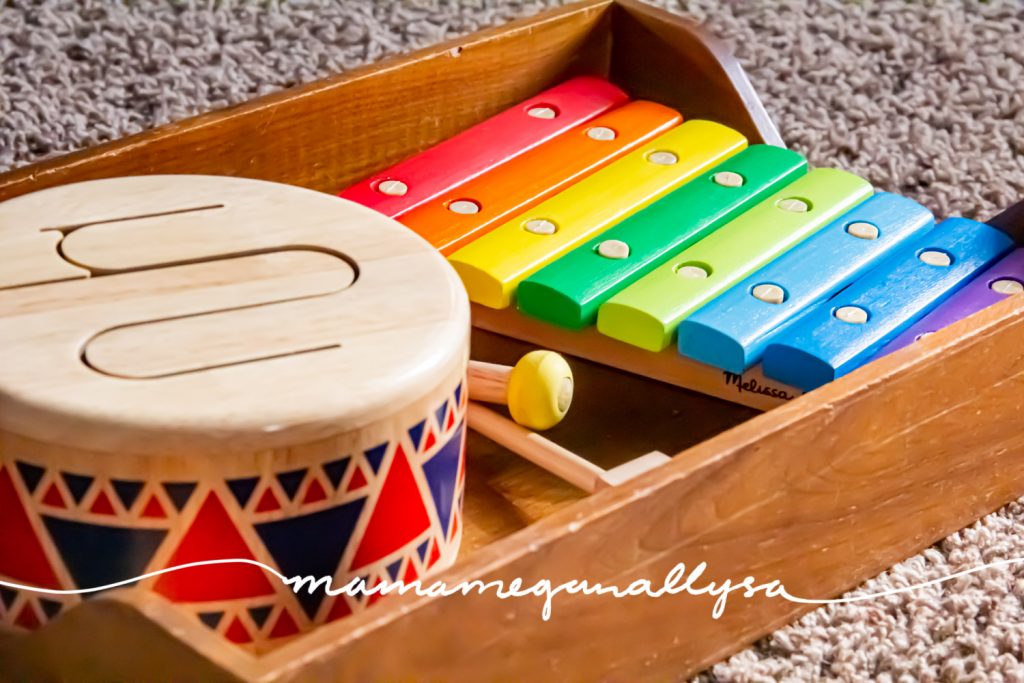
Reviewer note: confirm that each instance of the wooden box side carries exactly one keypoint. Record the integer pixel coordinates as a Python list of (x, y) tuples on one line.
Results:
[(662, 57)]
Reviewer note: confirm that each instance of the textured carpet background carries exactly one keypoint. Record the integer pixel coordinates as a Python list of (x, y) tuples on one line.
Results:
[(922, 99)]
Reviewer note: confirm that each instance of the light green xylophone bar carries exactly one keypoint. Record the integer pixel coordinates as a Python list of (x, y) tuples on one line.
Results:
[(647, 312), (568, 291)]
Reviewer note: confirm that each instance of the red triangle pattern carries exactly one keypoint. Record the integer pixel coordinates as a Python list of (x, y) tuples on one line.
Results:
[(339, 609), (102, 505), (314, 492), (451, 421), (431, 440), (154, 509), (29, 564), (373, 599), (268, 502), (53, 497), (212, 536), (455, 527), (398, 517), (284, 626), (410, 573), (357, 481), (237, 633), (435, 554), (27, 618)]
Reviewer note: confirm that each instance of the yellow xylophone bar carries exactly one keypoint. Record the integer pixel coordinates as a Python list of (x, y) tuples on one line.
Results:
[(492, 266)]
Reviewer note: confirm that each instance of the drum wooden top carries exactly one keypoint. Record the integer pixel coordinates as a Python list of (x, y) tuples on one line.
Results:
[(203, 310)]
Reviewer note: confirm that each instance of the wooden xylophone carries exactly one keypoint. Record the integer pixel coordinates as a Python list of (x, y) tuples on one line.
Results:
[(600, 226)]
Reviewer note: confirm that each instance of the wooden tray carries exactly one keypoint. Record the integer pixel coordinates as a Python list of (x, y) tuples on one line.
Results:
[(820, 493)]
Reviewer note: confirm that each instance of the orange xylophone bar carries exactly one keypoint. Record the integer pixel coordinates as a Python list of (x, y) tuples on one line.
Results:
[(470, 210), (419, 179)]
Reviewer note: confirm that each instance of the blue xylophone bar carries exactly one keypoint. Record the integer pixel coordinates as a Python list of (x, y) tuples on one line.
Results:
[(733, 330), (840, 334)]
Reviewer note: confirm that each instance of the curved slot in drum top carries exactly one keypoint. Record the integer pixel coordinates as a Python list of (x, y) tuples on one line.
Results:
[(840, 334), (732, 331), (492, 266), (990, 287), (272, 320), (423, 177), (268, 272), (454, 219), (647, 312), (569, 291)]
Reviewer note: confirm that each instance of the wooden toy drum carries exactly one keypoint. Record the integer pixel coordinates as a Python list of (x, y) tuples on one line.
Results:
[(200, 368)]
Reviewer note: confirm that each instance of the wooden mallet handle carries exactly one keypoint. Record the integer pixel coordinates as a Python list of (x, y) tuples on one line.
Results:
[(548, 455), (538, 390)]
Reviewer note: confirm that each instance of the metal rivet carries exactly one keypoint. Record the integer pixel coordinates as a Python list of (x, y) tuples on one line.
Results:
[(692, 272), (542, 112), (540, 226), (464, 206), (794, 205), (392, 188), (769, 293), (863, 230), (613, 249), (935, 258), (855, 315), (663, 158), (1006, 286), (728, 179), (601, 133)]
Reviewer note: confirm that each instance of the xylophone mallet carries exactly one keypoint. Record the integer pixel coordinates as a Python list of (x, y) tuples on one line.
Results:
[(548, 455), (537, 390)]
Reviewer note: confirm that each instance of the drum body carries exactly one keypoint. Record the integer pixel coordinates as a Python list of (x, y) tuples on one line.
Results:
[(204, 368)]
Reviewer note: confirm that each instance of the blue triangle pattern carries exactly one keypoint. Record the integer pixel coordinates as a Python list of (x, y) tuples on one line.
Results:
[(242, 489), (78, 484), (179, 492), (96, 555), (30, 474), (375, 456), (336, 470), (211, 619), (458, 394), (259, 615), (442, 471), (393, 569), (290, 482), (51, 608), (416, 433), (440, 413), (127, 491), (7, 596), (421, 550), (311, 545)]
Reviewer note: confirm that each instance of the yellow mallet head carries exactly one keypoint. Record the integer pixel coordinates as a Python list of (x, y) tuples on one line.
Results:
[(540, 390)]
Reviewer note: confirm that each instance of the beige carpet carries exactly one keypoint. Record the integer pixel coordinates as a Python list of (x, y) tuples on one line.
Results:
[(923, 99)]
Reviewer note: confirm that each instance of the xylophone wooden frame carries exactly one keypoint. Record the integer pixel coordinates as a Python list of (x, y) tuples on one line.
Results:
[(821, 493)]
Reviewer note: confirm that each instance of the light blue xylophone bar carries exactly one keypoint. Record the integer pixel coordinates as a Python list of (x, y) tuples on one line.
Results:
[(838, 335), (733, 330)]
